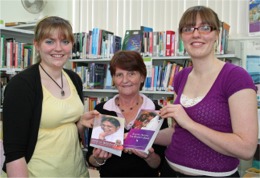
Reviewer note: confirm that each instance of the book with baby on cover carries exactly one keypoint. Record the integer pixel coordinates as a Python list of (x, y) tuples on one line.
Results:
[(108, 134), (144, 131)]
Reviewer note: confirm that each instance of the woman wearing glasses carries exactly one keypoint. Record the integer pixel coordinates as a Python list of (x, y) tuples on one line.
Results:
[(215, 108)]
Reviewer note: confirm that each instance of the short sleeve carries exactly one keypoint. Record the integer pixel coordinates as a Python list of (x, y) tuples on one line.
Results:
[(237, 79)]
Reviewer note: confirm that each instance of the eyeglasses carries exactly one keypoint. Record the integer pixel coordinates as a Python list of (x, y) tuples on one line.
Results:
[(205, 29)]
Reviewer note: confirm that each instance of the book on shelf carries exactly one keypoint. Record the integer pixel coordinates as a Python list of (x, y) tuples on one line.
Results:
[(156, 71), (132, 40), (146, 39), (12, 24), (29, 55), (97, 75), (162, 43), (168, 70), (2, 51), (222, 43), (170, 43), (9, 52), (76, 46), (88, 44), (96, 41), (116, 44), (108, 134), (159, 77), (171, 78), (106, 43), (225, 36), (144, 131), (155, 44), (148, 83), (108, 79)]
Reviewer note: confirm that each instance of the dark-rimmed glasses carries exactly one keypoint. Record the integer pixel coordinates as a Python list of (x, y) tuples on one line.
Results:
[(204, 29)]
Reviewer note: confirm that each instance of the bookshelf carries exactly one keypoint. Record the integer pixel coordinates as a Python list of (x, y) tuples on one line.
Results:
[(155, 61), (21, 36)]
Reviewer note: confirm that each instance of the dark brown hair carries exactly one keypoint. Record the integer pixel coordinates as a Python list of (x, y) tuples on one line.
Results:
[(130, 61), (207, 15)]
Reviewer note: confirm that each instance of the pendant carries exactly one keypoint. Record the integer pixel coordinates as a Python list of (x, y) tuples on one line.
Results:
[(62, 93)]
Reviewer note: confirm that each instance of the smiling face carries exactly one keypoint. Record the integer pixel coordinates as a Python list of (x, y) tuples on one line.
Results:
[(108, 128), (54, 50), (53, 41), (127, 82), (127, 69), (199, 44), (199, 29)]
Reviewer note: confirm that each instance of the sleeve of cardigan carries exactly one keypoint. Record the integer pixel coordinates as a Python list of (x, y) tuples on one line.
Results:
[(17, 115)]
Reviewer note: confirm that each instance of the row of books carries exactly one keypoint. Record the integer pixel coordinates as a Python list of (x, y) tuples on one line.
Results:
[(100, 43), (222, 44), (151, 43), (14, 54), (96, 43), (166, 43), (159, 77), (95, 76)]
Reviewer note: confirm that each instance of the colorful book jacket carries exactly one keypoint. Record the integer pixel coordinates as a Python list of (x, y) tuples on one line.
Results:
[(108, 134), (144, 131), (132, 40)]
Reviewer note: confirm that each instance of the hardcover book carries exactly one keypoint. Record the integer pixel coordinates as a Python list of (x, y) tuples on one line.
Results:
[(145, 40), (132, 40), (144, 131), (97, 75), (108, 134)]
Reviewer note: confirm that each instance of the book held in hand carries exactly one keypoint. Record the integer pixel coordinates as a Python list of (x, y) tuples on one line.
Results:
[(144, 131), (108, 134)]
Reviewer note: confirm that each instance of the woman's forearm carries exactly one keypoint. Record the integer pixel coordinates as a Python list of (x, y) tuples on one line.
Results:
[(164, 136), (17, 168)]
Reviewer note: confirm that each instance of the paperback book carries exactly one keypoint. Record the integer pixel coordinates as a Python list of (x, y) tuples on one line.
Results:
[(108, 134), (144, 131)]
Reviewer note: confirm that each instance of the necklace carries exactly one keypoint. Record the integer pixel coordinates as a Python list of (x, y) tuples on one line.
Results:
[(122, 110), (61, 87)]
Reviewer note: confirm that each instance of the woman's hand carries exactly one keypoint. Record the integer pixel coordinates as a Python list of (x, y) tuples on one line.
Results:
[(176, 112), (143, 154), (103, 135), (152, 159), (99, 157), (87, 118)]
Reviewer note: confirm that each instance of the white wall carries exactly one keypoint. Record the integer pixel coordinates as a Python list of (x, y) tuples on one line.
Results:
[(13, 11), (119, 15)]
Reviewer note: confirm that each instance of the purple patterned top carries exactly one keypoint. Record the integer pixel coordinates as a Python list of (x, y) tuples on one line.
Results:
[(213, 112)]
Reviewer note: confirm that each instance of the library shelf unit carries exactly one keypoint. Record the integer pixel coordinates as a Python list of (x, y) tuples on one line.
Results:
[(155, 61), (20, 35)]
